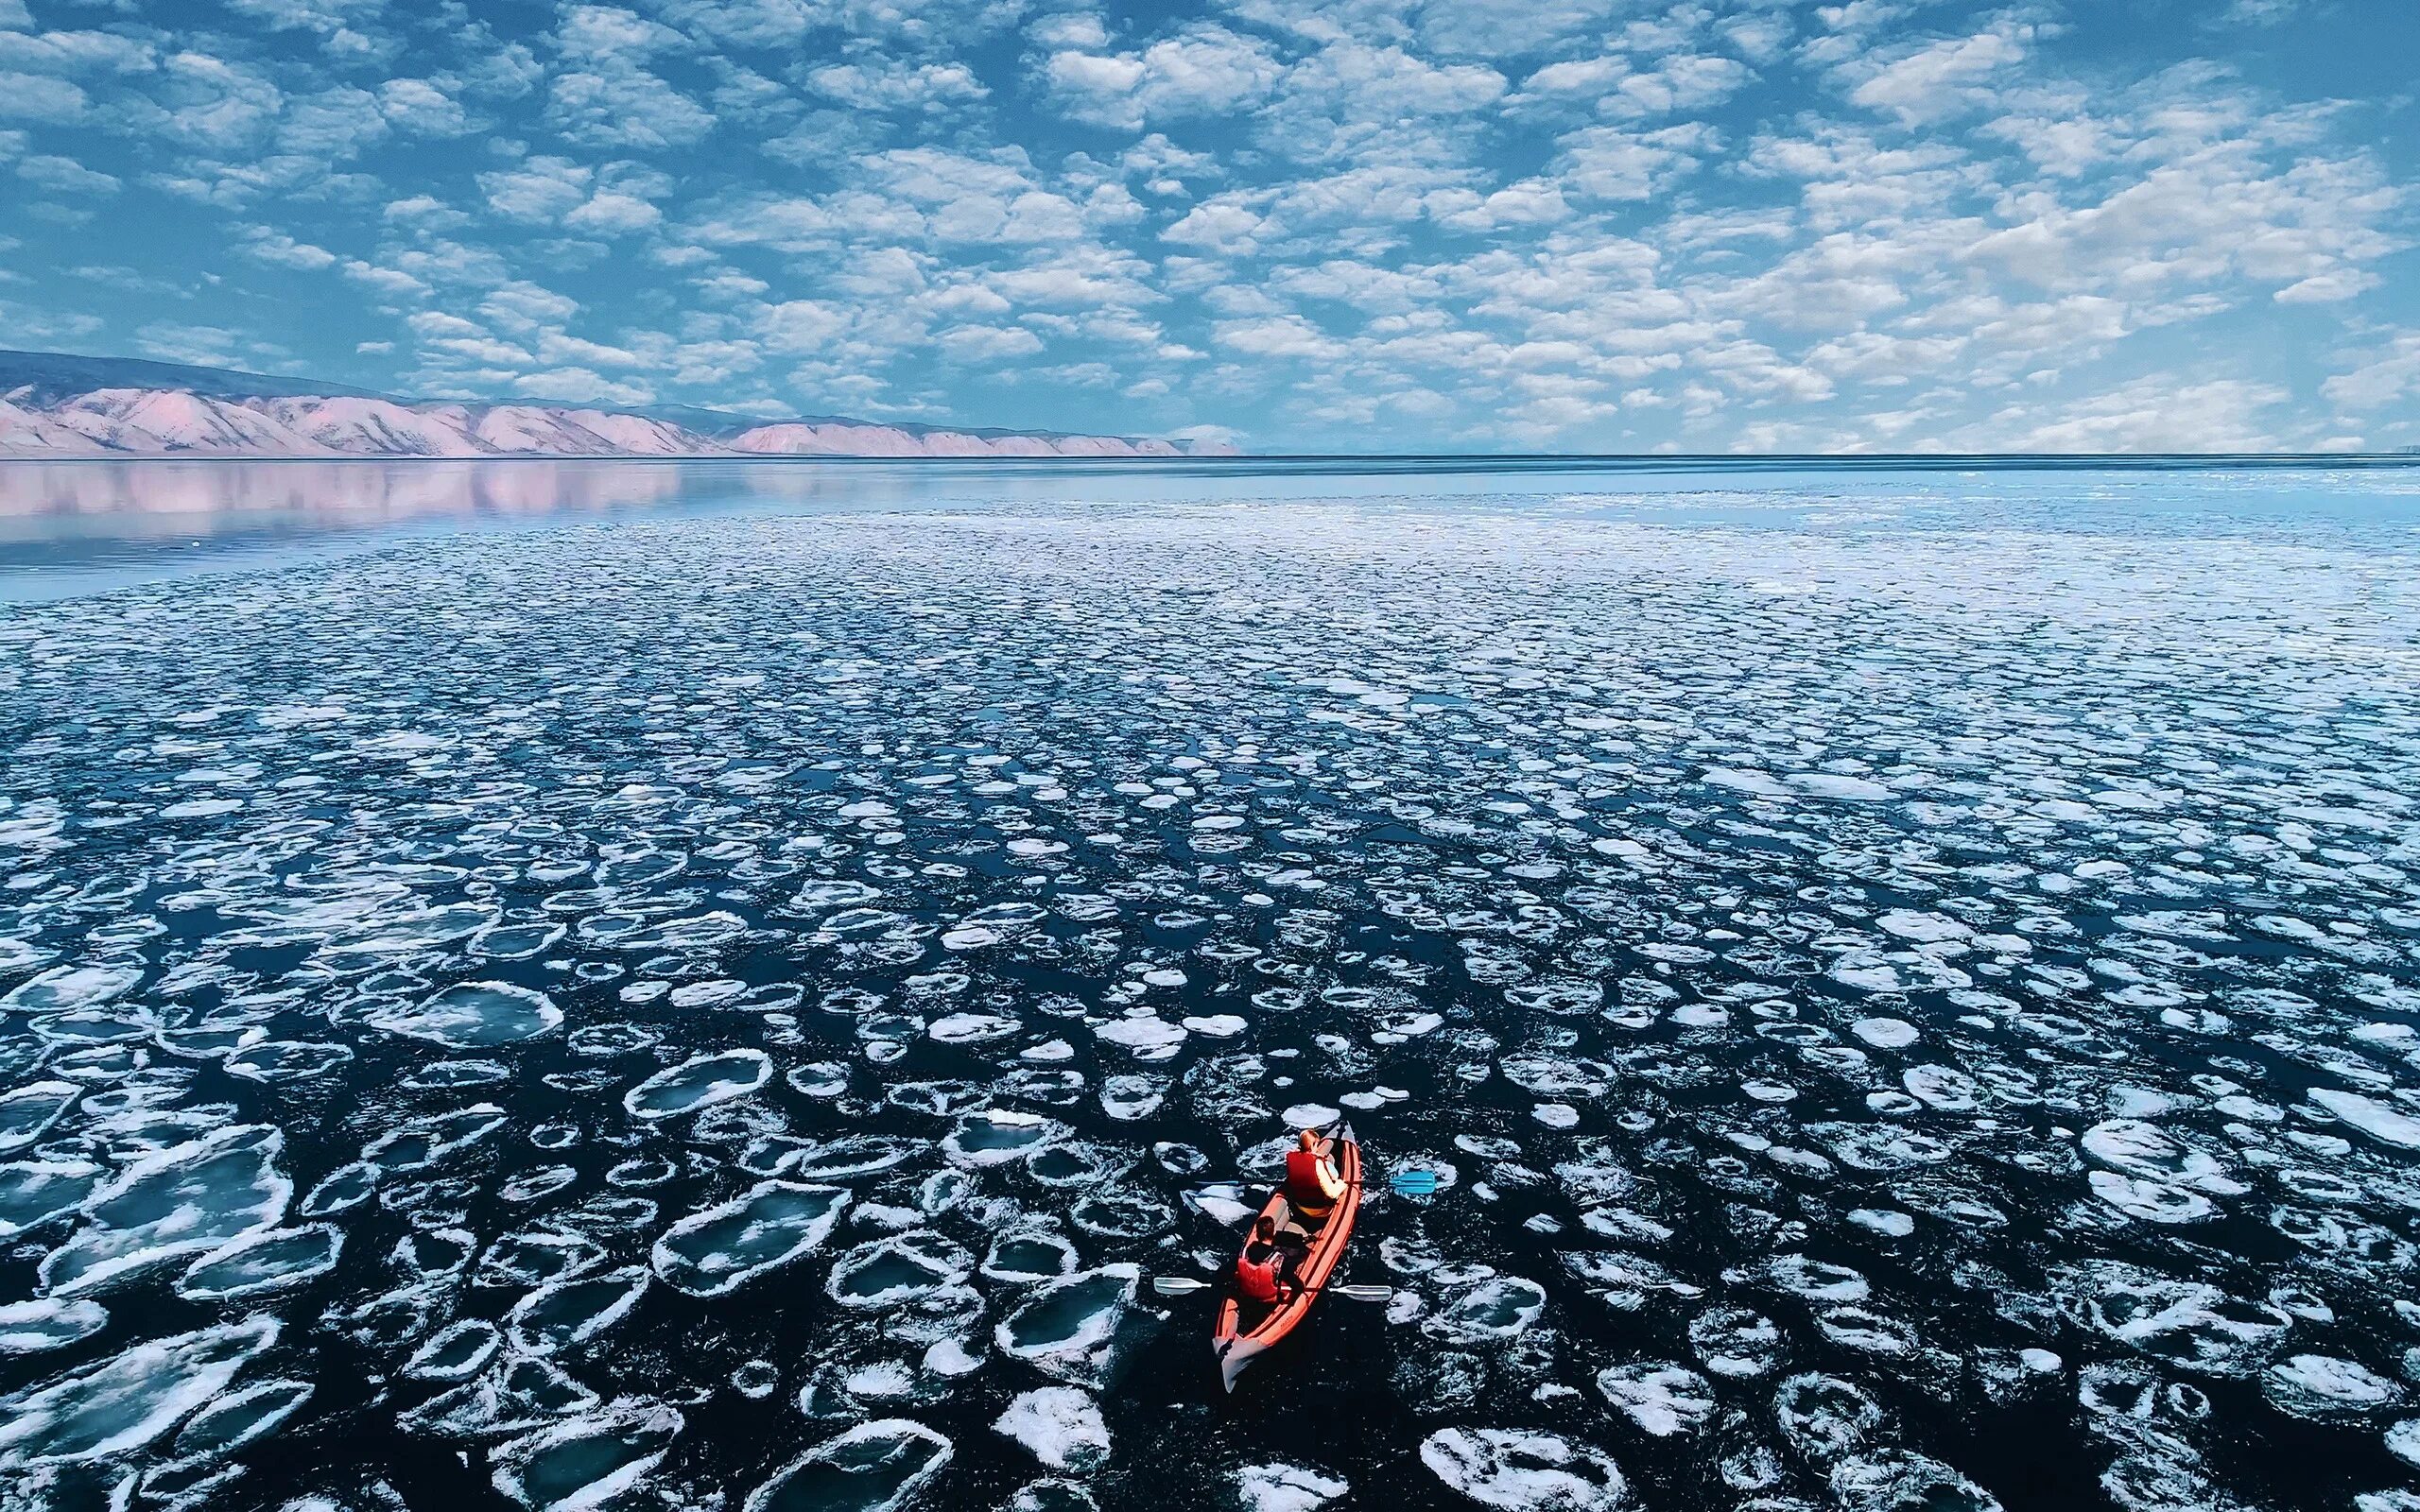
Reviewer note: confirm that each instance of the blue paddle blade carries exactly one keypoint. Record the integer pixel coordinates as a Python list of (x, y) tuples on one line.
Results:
[(1413, 1183)]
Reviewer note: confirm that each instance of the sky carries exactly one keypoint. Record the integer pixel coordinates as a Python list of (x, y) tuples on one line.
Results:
[(1301, 225)]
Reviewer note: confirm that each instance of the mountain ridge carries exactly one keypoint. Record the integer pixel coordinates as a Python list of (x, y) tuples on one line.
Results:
[(63, 405)]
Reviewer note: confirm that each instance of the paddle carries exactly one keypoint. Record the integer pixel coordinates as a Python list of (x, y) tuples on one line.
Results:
[(1187, 1286), (1413, 1183)]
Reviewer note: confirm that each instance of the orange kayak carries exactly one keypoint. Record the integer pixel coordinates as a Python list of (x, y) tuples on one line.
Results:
[(1235, 1344)]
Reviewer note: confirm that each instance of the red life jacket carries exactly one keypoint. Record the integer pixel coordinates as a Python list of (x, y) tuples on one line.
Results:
[(1258, 1281), (1305, 1192)]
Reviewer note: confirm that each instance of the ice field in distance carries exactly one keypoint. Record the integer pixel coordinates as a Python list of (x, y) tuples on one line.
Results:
[(1911, 987)]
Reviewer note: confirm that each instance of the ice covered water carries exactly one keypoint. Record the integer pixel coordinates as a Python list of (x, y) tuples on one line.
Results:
[(1898, 993)]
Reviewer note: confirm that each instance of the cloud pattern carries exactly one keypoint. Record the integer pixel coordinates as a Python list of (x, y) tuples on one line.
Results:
[(1306, 224)]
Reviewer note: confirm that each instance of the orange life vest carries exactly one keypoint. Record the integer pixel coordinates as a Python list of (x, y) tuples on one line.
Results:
[(1306, 1193), (1259, 1279)]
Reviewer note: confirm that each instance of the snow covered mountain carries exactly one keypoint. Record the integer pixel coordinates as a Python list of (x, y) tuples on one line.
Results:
[(56, 405)]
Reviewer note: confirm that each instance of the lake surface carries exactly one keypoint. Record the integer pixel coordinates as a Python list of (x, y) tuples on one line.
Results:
[(721, 986)]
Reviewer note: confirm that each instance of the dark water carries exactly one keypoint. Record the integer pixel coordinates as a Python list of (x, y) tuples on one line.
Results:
[(1910, 982)]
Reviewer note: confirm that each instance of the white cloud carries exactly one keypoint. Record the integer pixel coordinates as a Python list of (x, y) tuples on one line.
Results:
[(977, 344), (1202, 69), (1382, 104), (897, 84), (65, 176), (2387, 375), (541, 190), (281, 250), (217, 105), (609, 35), (65, 53), (581, 385), (1942, 79), (1223, 224), (622, 105), (32, 97), (421, 106), (2145, 415), (332, 124), (613, 214), (1609, 162)]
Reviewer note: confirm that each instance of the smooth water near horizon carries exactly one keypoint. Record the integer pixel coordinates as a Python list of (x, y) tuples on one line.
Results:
[(717, 986)]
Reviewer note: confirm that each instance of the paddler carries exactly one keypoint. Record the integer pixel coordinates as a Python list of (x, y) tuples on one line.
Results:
[(1261, 1270), (1312, 1184)]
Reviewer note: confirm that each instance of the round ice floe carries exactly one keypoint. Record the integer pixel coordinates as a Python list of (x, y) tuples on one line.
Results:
[(1067, 1329), (1499, 1307), (972, 1028), (1146, 1035), (1024, 1256), (230, 1422), (456, 1353), (589, 1462), (513, 942), (178, 1202), (2190, 1324), (267, 1260), (567, 1312), (2403, 1441), (698, 1083), (999, 1137), (1818, 1280), (1661, 1398), (30, 1328), (472, 1016), (1557, 1076), (1885, 1034), (1055, 1495), (874, 1466), (346, 1186), (1892, 1479), (35, 1191), (2154, 1201), (127, 1401), (1523, 1469), (1129, 1097), (899, 1269), (2324, 1386), (1060, 1425), (1075, 1163), (65, 989), (2386, 1124), (1736, 1342), (537, 1257), (819, 1080), (713, 1252), (851, 1154), (1277, 1487), (1825, 1418), (27, 1112)]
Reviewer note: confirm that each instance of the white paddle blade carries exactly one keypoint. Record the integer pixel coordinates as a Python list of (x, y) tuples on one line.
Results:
[(1178, 1285), (1365, 1294)]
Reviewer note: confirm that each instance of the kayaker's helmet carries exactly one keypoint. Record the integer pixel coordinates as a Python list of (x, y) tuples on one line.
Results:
[(1310, 1139)]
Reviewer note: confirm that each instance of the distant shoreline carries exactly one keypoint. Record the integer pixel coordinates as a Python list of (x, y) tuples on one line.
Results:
[(1348, 461)]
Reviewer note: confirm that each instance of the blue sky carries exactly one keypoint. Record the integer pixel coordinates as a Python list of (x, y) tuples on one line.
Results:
[(1304, 224)]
